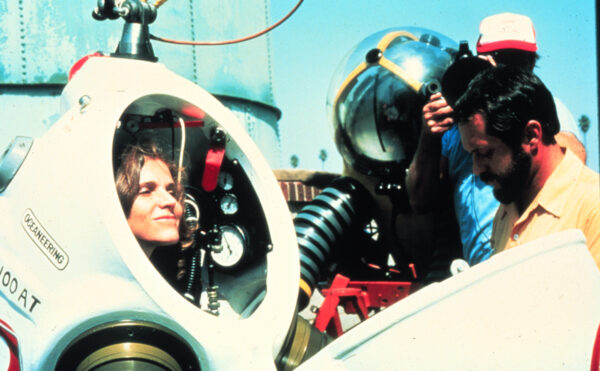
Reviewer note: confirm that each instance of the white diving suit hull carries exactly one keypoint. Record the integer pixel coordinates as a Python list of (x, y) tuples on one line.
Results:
[(67, 254), (534, 307)]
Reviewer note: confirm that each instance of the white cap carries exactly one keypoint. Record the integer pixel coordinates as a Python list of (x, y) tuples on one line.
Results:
[(506, 31)]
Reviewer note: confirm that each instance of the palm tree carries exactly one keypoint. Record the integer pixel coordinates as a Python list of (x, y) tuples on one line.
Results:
[(294, 161), (323, 157), (584, 125)]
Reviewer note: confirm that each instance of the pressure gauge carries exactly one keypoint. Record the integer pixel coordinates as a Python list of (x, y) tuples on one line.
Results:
[(232, 249), (229, 204), (225, 181)]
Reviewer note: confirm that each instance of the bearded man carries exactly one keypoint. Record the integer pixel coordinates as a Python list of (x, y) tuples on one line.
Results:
[(508, 122)]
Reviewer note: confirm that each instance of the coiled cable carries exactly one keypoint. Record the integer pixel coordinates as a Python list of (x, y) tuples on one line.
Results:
[(193, 282), (339, 209)]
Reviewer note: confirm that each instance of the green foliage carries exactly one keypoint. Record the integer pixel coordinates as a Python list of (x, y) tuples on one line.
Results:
[(584, 123), (294, 161), (323, 157)]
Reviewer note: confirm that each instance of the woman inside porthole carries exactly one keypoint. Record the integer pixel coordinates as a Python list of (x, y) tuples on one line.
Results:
[(152, 201)]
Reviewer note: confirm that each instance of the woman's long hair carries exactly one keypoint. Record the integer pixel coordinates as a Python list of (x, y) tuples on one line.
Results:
[(127, 181)]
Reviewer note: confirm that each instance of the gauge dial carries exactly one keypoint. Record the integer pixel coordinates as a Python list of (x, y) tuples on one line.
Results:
[(225, 181), (232, 248), (229, 204)]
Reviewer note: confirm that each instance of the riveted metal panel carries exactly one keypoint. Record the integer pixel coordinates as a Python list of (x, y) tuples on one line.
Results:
[(241, 70), (40, 41)]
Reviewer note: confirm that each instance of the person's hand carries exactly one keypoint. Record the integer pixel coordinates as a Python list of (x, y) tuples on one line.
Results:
[(489, 58), (437, 115)]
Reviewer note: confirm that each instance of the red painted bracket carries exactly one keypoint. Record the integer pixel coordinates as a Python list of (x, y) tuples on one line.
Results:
[(212, 168), (13, 346), (357, 297)]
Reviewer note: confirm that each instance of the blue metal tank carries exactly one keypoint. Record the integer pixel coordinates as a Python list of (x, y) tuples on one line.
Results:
[(41, 41)]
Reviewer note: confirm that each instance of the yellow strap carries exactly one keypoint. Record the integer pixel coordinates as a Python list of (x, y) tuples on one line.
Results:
[(401, 73), (385, 63), (305, 287), (350, 79), (388, 38)]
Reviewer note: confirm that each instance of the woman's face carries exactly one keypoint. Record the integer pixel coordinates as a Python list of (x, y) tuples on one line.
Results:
[(155, 212)]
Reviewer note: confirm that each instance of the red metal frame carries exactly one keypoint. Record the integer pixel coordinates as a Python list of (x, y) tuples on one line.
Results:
[(13, 345), (359, 297), (595, 365)]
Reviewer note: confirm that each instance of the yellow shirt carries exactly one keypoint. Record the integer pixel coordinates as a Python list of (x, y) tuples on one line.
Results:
[(569, 199)]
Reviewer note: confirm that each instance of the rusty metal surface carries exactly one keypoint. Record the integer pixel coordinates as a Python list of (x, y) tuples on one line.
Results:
[(41, 41)]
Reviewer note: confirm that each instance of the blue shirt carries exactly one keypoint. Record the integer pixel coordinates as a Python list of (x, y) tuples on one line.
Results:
[(474, 201)]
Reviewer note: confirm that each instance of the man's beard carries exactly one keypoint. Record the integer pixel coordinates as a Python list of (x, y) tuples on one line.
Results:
[(513, 182)]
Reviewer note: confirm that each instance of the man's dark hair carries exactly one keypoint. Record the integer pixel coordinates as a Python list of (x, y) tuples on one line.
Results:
[(515, 57), (508, 97)]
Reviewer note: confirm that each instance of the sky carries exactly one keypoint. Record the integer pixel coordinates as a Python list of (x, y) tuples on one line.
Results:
[(308, 47)]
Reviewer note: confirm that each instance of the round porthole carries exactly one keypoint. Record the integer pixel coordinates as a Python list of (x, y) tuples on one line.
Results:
[(128, 345)]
